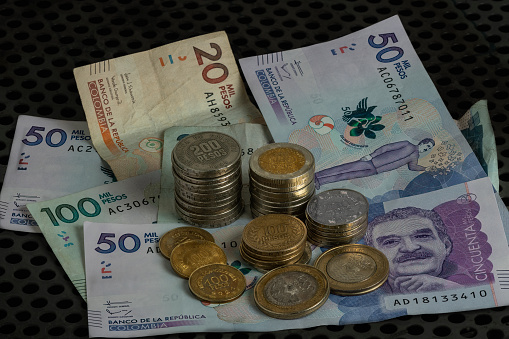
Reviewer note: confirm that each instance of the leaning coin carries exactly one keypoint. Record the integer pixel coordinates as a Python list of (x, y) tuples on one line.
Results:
[(291, 291), (217, 283), (353, 269), (193, 254), (179, 235)]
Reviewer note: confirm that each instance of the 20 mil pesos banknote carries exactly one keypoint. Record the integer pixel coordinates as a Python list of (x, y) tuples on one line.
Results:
[(129, 101), (365, 107), (249, 136), (49, 158), (130, 201), (448, 255)]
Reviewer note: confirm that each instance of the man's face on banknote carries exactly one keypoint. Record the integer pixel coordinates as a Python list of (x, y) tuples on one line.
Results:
[(412, 246)]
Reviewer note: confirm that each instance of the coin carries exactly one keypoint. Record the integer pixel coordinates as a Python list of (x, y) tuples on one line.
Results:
[(337, 207), (225, 218), (193, 254), (179, 235), (353, 269), (206, 155), (291, 291), (273, 233), (217, 283), (282, 165)]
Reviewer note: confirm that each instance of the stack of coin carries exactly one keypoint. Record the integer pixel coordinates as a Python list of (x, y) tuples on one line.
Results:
[(291, 291), (281, 179), (336, 217), (208, 180), (273, 240), (353, 269)]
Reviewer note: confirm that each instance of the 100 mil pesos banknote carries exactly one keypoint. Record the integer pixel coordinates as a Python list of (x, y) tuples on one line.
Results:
[(365, 107), (249, 136), (49, 158), (130, 201), (449, 255), (129, 101)]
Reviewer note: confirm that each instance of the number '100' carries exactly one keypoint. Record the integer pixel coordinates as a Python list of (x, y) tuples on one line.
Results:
[(71, 213)]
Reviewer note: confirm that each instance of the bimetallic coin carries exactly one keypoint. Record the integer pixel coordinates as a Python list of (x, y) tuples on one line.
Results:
[(337, 207), (217, 283), (179, 235), (266, 194), (206, 154), (190, 255), (273, 233), (353, 269), (291, 291), (282, 165)]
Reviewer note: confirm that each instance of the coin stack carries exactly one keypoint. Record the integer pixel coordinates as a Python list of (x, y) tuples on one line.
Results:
[(273, 240), (336, 217), (281, 179), (291, 291), (353, 269), (208, 180)]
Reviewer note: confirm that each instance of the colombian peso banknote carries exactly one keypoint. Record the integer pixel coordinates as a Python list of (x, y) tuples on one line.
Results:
[(453, 258), (130, 201), (49, 158), (365, 107), (129, 101), (249, 136)]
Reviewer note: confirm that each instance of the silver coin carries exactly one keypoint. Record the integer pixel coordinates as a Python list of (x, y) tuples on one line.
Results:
[(209, 209), (206, 154), (213, 222), (209, 181), (207, 189), (337, 207), (207, 197), (282, 165)]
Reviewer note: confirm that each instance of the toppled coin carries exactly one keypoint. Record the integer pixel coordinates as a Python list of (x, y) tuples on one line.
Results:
[(179, 235), (193, 254), (291, 291), (217, 283)]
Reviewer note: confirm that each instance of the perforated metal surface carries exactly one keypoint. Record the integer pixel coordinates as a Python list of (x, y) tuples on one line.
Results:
[(463, 44)]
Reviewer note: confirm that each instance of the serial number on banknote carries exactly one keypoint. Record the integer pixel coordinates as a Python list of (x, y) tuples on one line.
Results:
[(440, 298)]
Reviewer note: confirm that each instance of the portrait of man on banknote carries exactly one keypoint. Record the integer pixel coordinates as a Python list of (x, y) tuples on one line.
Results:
[(416, 243), (385, 158)]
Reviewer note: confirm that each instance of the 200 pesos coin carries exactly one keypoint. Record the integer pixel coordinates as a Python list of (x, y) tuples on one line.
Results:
[(206, 154), (179, 235), (282, 165), (217, 283), (274, 233), (353, 269), (190, 255), (291, 291)]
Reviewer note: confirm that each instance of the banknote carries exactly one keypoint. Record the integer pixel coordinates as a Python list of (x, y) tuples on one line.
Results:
[(249, 136), (365, 107), (448, 255), (129, 101), (130, 201), (49, 158), (475, 125)]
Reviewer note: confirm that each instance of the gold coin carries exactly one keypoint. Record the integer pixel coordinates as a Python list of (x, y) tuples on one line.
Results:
[(217, 283), (190, 255), (282, 165), (291, 291), (179, 235), (274, 233), (353, 269)]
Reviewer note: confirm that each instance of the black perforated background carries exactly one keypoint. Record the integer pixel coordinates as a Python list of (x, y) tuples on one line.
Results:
[(464, 46)]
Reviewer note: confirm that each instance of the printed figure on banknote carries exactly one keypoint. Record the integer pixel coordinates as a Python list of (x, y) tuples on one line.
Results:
[(383, 159)]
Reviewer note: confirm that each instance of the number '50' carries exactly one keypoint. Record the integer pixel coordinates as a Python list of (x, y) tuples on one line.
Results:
[(103, 239), (39, 138)]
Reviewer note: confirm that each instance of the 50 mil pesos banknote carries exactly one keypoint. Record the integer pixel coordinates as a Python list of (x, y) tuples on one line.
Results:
[(448, 255), (131, 201), (49, 158), (129, 101)]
